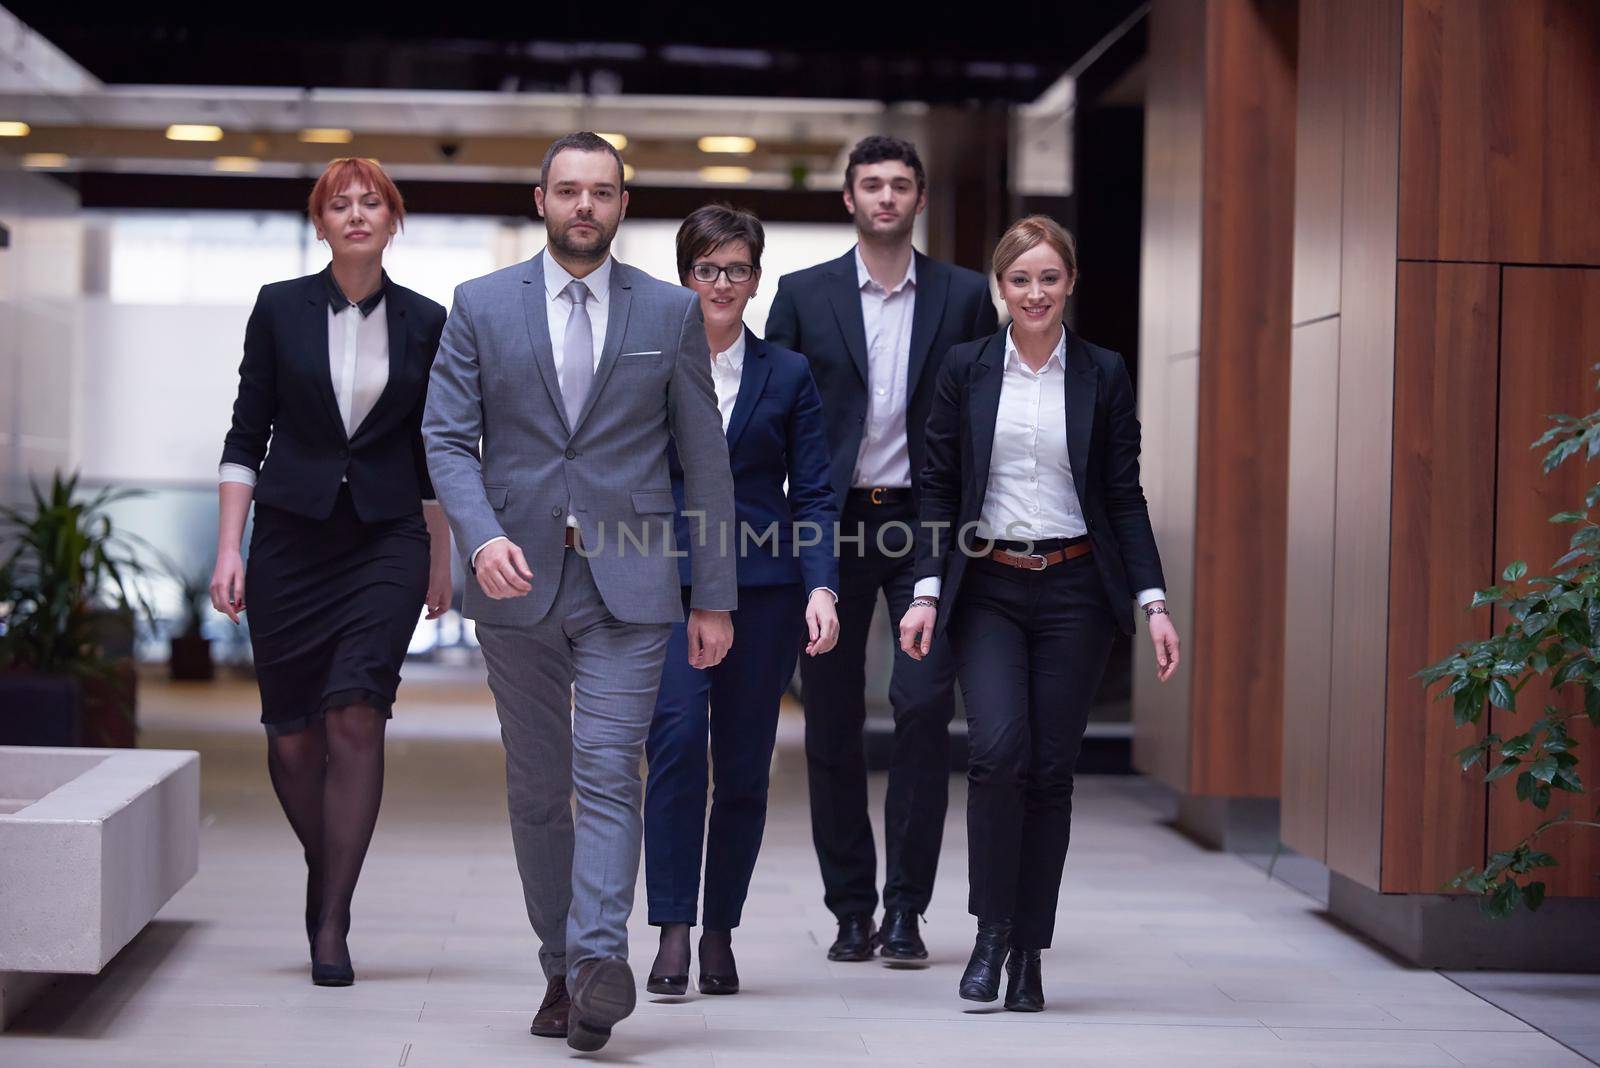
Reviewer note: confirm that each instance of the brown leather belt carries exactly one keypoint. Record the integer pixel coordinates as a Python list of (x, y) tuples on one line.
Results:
[(572, 538), (1038, 561)]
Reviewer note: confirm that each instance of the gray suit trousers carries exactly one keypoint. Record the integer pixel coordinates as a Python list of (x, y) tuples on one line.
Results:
[(575, 694)]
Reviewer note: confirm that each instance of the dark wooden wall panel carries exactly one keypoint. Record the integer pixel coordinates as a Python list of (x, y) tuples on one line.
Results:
[(1501, 129), (1169, 344), (1371, 59), (1308, 633), (1442, 548), (1247, 263), (1319, 156), (1549, 341)]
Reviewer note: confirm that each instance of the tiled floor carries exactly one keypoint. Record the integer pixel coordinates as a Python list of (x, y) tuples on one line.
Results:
[(1165, 954)]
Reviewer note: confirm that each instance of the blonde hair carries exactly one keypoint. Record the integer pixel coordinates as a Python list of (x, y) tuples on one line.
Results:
[(1029, 233)]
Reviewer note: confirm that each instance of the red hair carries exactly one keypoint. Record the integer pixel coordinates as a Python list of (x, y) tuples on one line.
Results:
[(366, 172)]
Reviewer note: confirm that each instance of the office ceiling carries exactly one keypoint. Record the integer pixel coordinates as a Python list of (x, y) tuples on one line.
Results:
[(924, 52)]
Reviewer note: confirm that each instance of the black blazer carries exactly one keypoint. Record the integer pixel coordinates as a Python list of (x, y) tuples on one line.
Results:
[(817, 311), (286, 398), (1102, 447)]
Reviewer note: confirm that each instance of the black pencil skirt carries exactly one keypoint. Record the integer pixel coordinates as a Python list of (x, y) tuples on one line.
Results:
[(331, 604)]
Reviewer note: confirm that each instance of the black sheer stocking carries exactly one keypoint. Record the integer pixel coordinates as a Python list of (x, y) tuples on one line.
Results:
[(673, 956), (716, 953), (352, 790), (297, 764)]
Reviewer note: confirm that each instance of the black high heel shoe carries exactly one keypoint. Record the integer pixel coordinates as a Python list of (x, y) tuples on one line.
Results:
[(981, 980), (332, 974), (726, 983), (1024, 982), (675, 984)]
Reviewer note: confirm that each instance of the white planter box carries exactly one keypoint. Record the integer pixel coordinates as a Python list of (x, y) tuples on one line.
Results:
[(93, 842)]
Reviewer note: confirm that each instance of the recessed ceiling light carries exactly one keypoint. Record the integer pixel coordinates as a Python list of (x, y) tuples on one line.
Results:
[(627, 172), (725, 174), (236, 164), (184, 131), (15, 129), (44, 161), (728, 144), (327, 135), (618, 141)]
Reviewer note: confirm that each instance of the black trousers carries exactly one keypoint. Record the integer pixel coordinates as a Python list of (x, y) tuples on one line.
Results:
[(922, 695), (1030, 648)]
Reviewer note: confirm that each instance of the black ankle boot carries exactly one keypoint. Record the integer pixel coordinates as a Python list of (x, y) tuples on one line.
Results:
[(981, 980), (1024, 982)]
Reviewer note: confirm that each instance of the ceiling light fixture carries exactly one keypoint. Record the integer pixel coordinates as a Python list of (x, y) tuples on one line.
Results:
[(184, 131), (15, 129), (728, 144), (236, 164), (44, 161), (617, 141), (326, 135), (627, 172), (725, 174)]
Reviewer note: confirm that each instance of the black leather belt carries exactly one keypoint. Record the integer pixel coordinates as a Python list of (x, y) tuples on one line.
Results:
[(878, 496)]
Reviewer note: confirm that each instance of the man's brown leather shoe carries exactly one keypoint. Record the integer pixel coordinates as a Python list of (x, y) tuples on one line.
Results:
[(551, 1019)]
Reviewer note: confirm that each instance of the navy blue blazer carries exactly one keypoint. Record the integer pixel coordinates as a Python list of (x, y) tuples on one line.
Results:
[(1102, 447), (817, 311), (286, 399), (775, 434)]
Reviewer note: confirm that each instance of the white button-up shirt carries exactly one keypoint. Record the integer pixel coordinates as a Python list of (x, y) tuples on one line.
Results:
[(884, 459), (1030, 494), (727, 369)]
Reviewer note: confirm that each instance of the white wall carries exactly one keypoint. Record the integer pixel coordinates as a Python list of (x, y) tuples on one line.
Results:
[(40, 286)]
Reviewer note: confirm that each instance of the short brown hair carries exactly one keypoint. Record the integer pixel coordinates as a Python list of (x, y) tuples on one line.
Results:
[(341, 172), (709, 228), (1029, 233), (582, 141), (881, 148)]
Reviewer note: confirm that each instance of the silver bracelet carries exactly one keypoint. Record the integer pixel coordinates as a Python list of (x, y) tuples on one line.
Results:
[(1156, 610), (924, 602)]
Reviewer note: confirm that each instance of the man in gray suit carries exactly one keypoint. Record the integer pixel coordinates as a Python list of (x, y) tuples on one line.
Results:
[(572, 370)]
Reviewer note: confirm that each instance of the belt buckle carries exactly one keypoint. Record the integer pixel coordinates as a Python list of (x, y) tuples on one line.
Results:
[(876, 496), (1043, 563)]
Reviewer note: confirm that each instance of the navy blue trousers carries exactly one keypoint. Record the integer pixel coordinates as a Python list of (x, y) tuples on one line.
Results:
[(734, 708)]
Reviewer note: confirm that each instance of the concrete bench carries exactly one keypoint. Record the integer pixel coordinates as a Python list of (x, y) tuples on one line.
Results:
[(93, 842)]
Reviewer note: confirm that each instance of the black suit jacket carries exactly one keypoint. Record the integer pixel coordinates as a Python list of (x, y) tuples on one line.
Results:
[(286, 399), (1102, 447), (817, 311)]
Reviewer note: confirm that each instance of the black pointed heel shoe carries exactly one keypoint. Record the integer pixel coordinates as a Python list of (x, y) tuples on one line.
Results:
[(1024, 982), (332, 974), (981, 980), (671, 986)]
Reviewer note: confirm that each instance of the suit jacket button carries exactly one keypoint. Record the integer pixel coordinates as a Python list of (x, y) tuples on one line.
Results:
[(572, 454), (555, 513)]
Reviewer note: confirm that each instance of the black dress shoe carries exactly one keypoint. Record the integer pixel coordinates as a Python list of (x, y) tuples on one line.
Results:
[(718, 984), (899, 939), (857, 938), (1024, 983), (981, 980), (671, 985), (332, 974), (602, 994)]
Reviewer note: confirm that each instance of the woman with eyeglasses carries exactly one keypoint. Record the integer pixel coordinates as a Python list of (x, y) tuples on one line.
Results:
[(772, 415), (348, 544)]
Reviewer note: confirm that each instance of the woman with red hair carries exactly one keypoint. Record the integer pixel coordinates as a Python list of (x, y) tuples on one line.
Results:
[(348, 543)]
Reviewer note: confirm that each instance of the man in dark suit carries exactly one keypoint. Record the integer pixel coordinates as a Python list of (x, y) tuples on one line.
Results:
[(875, 325)]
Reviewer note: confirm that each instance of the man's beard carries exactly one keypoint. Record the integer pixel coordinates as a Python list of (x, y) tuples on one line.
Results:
[(594, 253), (866, 224)]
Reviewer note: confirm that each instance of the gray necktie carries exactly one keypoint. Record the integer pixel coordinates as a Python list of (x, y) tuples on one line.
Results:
[(577, 352)]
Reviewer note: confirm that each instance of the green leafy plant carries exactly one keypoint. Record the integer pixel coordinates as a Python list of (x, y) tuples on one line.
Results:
[(65, 564), (1553, 635)]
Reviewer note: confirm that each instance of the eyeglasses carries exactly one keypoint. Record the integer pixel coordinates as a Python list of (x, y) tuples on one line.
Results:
[(709, 272)]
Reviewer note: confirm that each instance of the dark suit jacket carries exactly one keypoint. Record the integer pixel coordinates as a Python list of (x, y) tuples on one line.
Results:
[(1102, 446), (817, 311), (286, 398), (775, 433)]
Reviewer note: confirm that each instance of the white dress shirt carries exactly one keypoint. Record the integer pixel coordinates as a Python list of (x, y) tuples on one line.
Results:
[(1030, 494), (358, 364), (727, 369), (558, 309), (885, 459)]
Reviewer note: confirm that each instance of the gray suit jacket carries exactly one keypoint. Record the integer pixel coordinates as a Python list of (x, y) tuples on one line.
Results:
[(494, 381)]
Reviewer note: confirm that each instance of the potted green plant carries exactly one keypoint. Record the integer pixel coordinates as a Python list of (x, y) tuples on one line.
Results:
[(64, 572), (191, 650), (1553, 634)]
